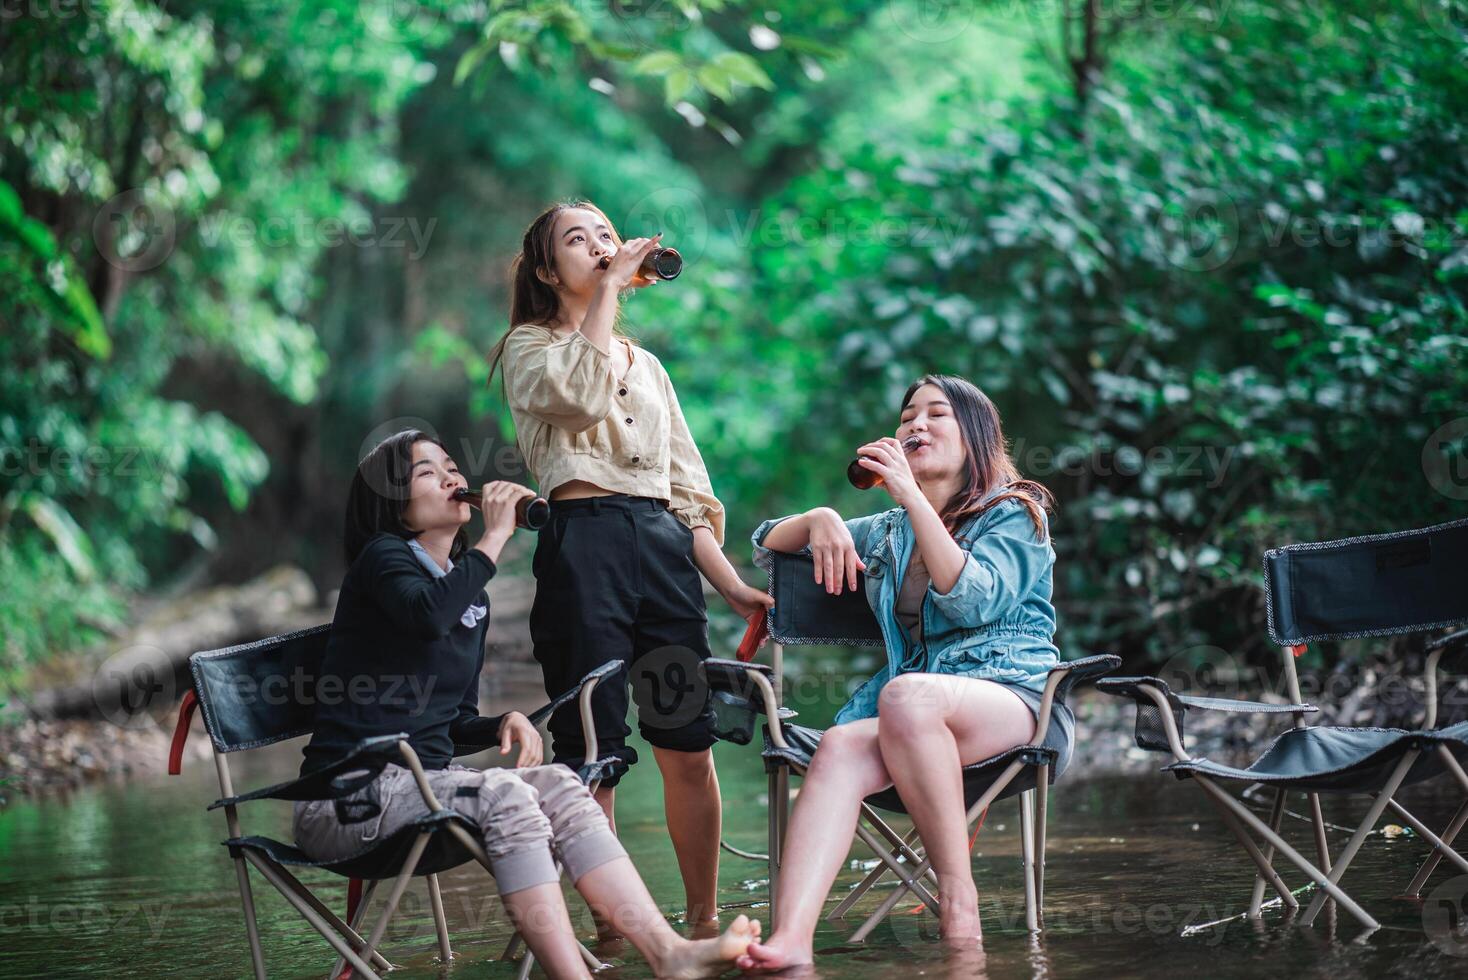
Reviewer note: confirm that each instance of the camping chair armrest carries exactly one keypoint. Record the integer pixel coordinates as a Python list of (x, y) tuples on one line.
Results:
[(537, 717), (1063, 677), (743, 678), (1160, 711), (752, 681), (1436, 650), (1252, 707), (356, 769)]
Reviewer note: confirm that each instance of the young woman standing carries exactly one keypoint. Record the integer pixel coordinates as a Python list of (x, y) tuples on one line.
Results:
[(634, 521)]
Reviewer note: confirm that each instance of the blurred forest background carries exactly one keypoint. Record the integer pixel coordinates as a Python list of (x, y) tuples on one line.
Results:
[(1207, 256)]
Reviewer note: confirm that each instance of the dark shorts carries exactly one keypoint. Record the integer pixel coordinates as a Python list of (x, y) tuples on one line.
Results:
[(615, 580), (1060, 734)]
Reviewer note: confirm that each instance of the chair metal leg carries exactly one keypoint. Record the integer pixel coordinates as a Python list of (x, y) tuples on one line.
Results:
[(415, 853), (775, 838), (1027, 855), (1322, 844), (909, 881), (440, 921), (1262, 865), (1276, 814), (1428, 866), (875, 875), (356, 926), (526, 965), (328, 932), (1439, 846), (1373, 813), (1281, 845), (252, 929), (980, 805), (1042, 803)]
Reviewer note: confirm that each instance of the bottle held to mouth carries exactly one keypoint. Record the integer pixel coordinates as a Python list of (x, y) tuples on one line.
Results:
[(659, 263), (863, 478), (531, 513)]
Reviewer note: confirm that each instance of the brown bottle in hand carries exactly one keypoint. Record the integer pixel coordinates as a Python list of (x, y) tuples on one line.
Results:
[(659, 263), (531, 513), (863, 478)]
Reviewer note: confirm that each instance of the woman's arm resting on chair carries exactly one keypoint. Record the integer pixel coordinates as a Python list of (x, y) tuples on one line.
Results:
[(832, 548)]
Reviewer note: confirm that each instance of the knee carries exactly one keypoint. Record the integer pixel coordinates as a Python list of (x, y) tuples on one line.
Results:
[(512, 817), (908, 701), (841, 748), (686, 767)]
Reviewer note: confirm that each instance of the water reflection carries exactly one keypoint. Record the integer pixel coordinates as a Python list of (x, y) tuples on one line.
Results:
[(1141, 880)]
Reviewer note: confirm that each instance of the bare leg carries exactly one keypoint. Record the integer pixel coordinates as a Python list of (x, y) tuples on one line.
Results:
[(617, 894), (606, 798), (694, 813), (539, 913), (931, 725), (846, 768)]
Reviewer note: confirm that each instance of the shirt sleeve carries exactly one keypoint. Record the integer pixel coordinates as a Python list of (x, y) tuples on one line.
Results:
[(415, 601), (1002, 566), (566, 383), (469, 727), (691, 496)]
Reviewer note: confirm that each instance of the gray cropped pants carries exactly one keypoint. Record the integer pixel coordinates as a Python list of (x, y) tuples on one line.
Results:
[(528, 818)]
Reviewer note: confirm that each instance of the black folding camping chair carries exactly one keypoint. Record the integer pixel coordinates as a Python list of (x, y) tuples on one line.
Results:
[(1372, 586), (805, 614), (260, 693)]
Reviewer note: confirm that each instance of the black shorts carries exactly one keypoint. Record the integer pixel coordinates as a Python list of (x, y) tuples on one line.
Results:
[(615, 580)]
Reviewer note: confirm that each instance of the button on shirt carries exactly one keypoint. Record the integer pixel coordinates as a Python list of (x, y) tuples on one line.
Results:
[(576, 420)]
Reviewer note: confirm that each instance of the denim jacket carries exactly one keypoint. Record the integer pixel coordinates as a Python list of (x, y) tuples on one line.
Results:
[(996, 623)]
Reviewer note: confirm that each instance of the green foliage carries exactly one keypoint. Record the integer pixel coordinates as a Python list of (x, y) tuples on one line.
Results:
[(1211, 267)]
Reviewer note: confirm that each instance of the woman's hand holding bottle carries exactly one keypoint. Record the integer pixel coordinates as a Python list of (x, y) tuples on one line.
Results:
[(497, 503), (623, 272)]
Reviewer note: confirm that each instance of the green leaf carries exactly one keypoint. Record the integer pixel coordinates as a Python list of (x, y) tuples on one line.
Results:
[(742, 68), (656, 63), (72, 543)]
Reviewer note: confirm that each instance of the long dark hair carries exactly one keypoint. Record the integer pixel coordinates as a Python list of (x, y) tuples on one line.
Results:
[(380, 491), (987, 464), (532, 300)]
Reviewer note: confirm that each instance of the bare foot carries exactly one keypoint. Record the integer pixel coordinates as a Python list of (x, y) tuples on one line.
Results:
[(701, 957), (777, 954)]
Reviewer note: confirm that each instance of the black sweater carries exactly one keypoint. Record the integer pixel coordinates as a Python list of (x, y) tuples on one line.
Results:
[(399, 659)]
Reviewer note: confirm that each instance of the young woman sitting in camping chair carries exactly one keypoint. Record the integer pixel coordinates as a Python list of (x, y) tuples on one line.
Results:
[(959, 576), (411, 620)]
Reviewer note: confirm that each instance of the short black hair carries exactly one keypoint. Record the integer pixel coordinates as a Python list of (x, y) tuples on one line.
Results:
[(380, 492)]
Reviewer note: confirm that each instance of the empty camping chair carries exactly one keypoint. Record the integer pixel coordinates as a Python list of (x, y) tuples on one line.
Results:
[(804, 613), (260, 693), (1373, 586)]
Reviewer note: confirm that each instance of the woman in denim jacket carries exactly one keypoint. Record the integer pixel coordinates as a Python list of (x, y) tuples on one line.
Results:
[(959, 575)]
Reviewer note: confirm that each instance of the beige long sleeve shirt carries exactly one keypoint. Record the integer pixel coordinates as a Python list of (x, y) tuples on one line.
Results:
[(576, 420)]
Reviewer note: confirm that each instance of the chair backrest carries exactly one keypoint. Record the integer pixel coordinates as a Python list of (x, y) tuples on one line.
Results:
[(1375, 585), (257, 693), (806, 613)]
